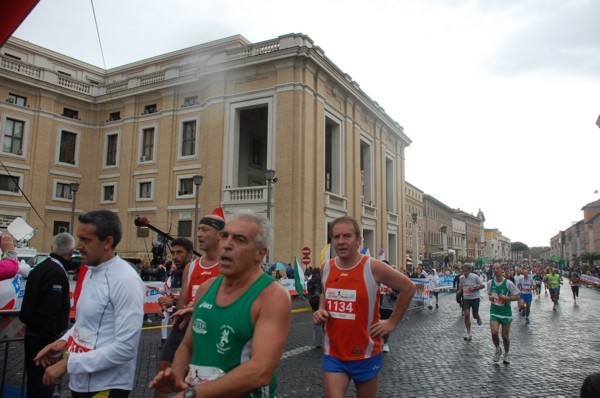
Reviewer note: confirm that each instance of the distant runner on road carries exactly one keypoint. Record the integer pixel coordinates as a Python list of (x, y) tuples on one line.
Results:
[(501, 292)]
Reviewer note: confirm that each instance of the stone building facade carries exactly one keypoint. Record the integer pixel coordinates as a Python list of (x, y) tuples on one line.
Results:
[(133, 137)]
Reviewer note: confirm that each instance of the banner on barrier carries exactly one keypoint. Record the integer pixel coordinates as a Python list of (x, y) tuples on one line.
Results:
[(422, 293), (424, 288), (590, 280), (12, 292)]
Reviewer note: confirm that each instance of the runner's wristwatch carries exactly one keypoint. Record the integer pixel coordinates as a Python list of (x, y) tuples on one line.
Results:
[(189, 393)]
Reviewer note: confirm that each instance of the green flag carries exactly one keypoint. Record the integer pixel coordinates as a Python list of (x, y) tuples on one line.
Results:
[(298, 278)]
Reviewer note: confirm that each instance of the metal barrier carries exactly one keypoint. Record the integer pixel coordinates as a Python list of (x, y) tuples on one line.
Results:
[(5, 367), (17, 359)]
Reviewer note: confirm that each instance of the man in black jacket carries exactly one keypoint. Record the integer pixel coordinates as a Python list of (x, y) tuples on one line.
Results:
[(45, 308)]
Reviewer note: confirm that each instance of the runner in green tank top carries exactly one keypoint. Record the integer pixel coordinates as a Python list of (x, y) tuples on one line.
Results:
[(240, 324), (501, 292), (553, 281), (228, 332)]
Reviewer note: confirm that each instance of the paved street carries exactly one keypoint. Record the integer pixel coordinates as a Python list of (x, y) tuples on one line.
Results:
[(428, 358)]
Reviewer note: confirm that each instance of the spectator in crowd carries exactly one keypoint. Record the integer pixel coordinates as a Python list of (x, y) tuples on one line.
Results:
[(434, 288), (315, 289), (388, 298), (45, 309), (9, 265)]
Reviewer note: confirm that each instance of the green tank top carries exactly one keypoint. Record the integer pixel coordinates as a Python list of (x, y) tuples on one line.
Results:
[(223, 335), (553, 281), (498, 308)]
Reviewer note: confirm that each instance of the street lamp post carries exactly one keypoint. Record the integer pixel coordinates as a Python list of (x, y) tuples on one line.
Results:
[(197, 179), (415, 261), (271, 179), (74, 189)]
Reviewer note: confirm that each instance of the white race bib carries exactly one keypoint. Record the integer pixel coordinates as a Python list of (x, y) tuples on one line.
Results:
[(496, 300), (201, 374), (81, 340), (341, 303)]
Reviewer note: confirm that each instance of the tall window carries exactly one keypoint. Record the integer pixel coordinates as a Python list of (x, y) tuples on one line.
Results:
[(188, 138), (147, 145), (108, 193), (366, 168), (13, 137), (390, 186), (111, 149), (9, 183), (68, 142), (333, 157), (63, 190), (145, 190), (186, 186)]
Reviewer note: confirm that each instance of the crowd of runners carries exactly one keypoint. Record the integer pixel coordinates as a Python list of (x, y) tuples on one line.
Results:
[(232, 320)]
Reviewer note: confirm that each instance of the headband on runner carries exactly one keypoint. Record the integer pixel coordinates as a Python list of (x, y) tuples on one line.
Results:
[(213, 222)]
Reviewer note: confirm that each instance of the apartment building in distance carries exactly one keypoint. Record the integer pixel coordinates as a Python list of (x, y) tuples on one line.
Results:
[(131, 139), (496, 246)]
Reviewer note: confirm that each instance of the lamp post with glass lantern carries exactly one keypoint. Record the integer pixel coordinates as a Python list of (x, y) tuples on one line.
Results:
[(271, 179), (74, 189), (197, 179), (415, 261)]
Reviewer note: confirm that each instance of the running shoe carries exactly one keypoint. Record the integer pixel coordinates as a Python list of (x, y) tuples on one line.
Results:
[(385, 348), (497, 354), (479, 321), (527, 321), (554, 308), (468, 337), (506, 359)]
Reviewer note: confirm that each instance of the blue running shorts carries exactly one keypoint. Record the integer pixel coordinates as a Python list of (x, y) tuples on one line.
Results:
[(360, 370), (528, 298)]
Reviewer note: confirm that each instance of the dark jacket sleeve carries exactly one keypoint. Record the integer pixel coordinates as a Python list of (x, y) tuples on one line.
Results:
[(54, 290), (46, 304)]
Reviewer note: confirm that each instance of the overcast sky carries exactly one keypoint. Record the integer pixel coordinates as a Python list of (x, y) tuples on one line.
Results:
[(499, 97)]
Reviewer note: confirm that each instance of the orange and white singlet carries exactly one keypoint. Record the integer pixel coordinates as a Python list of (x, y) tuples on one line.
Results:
[(198, 274), (352, 300)]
